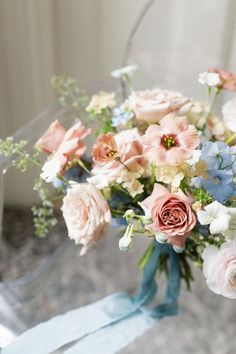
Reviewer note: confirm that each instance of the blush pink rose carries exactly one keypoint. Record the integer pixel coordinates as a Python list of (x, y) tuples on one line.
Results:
[(86, 214), (105, 149), (170, 142), (171, 214), (152, 105), (64, 145), (219, 268), (52, 138)]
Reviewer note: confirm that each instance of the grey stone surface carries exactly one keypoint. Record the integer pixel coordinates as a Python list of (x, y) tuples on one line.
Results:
[(206, 324)]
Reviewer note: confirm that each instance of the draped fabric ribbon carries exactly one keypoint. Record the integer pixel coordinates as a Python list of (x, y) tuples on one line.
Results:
[(110, 324)]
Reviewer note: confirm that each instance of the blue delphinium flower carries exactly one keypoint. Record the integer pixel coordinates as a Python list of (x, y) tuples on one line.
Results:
[(221, 161), (121, 115)]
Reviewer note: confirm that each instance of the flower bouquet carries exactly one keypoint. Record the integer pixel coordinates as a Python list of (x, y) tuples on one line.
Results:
[(163, 166)]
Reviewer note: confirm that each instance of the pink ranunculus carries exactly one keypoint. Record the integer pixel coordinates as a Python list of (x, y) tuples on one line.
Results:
[(229, 114), (64, 145), (129, 168), (152, 105), (170, 142), (171, 214), (219, 268), (52, 138), (129, 146), (228, 79), (105, 149), (86, 214)]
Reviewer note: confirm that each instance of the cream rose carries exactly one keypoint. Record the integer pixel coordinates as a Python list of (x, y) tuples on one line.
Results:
[(152, 105), (86, 214), (219, 268)]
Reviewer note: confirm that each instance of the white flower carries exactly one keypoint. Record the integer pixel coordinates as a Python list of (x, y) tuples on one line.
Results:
[(222, 220), (100, 181), (210, 79), (124, 71), (50, 170), (126, 242), (229, 114)]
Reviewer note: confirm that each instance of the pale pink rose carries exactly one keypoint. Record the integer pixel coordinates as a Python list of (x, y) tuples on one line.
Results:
[(171, 214), (52, 138), (228, 79), (152, 105), (229, 114), (219, 268), (104, 149), (86, 214), (64, 145), (170, 142)]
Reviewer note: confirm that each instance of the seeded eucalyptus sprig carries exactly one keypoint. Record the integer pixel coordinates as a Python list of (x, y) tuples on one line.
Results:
[(23, 159), (44, 218)]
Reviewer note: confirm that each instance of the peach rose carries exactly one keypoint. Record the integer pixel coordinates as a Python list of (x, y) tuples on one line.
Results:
[(219, 268), (86, 214), (64, 145), (105, 149), (228, 79), (152, 105), (171, 214)]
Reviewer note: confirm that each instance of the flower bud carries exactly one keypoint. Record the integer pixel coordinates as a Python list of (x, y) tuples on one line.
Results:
[(126, 242), (161, 237)]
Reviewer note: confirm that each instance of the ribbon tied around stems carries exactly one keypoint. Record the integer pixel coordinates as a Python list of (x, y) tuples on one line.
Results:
[(108, 325)]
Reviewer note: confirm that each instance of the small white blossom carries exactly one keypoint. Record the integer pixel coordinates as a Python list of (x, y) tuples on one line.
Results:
[(124, 71), (50, 170), (210, 79), (222, 220)]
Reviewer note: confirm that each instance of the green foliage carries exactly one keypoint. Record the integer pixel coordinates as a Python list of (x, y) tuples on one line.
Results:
[(201, 195), (43, 218), (9, 148)]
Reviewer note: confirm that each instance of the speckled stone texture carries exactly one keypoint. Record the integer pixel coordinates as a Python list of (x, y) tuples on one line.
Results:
[(206, 324)]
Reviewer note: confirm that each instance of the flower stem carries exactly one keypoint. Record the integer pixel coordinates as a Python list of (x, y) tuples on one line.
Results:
[(231, 138)]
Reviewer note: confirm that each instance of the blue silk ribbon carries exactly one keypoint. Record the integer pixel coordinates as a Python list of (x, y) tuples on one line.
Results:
[(110, 324)]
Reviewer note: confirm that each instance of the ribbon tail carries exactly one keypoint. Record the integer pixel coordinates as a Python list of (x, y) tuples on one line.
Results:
[(112, 339), (61, 330)]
